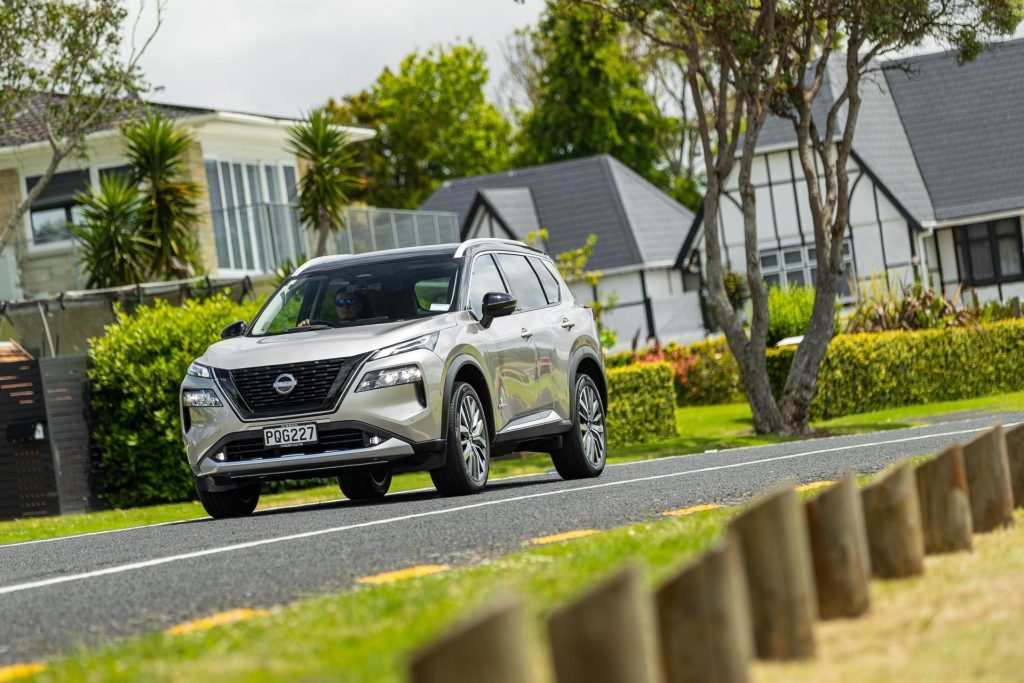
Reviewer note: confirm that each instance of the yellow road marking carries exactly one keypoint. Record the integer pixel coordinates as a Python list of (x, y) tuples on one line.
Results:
[(813, 486), (558, 538), (16, 671), (219, 619), (402, 574), (682, 512)]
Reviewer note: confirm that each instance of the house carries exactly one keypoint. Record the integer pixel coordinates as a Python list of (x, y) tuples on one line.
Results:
[(936, 188), (247, 177), (639, 231)]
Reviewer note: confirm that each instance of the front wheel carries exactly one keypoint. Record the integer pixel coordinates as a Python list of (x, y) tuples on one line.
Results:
[(468, 456), (365, 484), (234, 503), (585, 446)]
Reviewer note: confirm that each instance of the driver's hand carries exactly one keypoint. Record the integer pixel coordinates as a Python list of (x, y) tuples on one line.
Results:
[(304, 323)]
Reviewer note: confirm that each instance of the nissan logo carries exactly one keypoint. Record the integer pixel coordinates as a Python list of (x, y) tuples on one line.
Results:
[(285, 384)]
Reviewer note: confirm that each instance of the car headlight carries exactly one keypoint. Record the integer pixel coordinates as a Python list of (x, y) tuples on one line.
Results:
[(427, 341), (197, 370), (200, 398), (391, 377)]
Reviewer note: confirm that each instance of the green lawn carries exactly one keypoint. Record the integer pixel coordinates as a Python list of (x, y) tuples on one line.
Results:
[(699, 429)]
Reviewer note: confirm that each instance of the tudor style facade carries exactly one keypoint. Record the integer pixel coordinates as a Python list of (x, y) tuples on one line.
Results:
[(936, 187)]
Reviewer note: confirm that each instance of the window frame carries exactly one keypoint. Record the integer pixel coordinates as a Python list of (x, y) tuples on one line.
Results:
[(468, 303), (29, 232), (511, 289), (538, 264), (962, 244), (807, 267)]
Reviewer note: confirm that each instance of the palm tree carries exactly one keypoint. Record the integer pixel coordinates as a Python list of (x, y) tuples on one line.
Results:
[(155, 148), (113, 249), (329, 173)]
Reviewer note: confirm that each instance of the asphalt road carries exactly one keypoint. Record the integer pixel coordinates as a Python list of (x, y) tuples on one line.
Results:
[(96, 587)]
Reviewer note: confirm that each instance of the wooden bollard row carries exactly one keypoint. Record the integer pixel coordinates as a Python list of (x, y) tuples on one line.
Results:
[(758, 593)]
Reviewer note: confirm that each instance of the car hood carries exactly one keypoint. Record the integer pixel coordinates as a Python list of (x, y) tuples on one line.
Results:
[(296, 347)]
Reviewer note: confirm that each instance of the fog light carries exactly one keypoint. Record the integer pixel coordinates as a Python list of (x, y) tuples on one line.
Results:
[(220, 457), (375, 440), (200, 398)]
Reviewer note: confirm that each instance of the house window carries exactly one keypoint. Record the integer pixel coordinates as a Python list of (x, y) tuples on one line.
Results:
[(55, 208), (989, 253), (798, 267), (254, 225)]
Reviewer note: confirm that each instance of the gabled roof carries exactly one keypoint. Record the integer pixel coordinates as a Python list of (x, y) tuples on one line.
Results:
[(635, 222), (28, 123)]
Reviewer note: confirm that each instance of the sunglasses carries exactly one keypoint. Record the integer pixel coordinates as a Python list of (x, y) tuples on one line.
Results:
[(346, 302)]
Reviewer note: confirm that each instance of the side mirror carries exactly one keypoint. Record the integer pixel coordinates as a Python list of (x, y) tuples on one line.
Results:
[(497, 305), (234, 330)]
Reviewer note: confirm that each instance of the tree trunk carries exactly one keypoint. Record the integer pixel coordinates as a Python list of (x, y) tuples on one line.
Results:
[(704, 619), (893, 518), (780, 575), (491, 647), (839, 549), (945, 503), (324, 230)]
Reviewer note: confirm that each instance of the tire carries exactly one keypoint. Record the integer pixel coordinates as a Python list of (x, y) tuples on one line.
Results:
[(468, 445), (585, 446), (235, 503), (365, 484)]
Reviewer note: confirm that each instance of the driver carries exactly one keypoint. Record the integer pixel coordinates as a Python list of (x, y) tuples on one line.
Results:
[(347, 305)]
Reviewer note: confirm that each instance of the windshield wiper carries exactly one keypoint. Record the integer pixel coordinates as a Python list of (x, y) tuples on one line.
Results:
[(304, 328)]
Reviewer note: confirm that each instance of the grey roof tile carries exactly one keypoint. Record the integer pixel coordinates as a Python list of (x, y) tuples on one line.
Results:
[(634, 221)]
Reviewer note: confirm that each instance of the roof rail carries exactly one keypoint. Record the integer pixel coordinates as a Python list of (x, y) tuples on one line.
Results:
[(492, 240)]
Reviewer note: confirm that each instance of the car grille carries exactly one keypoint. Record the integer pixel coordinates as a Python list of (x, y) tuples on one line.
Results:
[(251, 447), (318, 385)]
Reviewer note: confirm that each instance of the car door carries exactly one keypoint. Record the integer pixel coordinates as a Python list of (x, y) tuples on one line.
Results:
[(531, 302), (510, 358), (554, 339)]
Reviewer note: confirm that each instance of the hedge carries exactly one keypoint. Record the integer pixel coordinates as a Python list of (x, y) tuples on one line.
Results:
[(640, 404), (135, 373), (865, 372), (705, 373)]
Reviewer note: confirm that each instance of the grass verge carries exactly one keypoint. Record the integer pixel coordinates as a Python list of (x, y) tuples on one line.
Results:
[(699, 429)]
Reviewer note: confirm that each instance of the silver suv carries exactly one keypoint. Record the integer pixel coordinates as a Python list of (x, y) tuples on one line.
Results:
[(431, 358)]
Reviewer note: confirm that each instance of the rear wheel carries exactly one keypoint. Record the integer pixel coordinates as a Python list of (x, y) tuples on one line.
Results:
[(468, 456), (365, 484), (585, 446), (234, 503)]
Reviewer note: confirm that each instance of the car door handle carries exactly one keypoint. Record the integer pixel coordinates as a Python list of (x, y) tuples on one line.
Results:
[(525, 334), (567, 324)]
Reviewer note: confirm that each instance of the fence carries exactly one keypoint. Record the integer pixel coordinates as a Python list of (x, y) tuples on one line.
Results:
[(46, 466), (782, 566)]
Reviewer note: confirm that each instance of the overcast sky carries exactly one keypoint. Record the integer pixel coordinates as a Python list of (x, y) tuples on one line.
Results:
[(283, 57)]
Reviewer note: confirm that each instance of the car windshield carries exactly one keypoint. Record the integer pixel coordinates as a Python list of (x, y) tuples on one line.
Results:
[(364, 294)]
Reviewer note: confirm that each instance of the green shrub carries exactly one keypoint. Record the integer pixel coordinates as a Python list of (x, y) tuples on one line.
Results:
[(789, 313), (640, 405), (136, 370), (705, 373)]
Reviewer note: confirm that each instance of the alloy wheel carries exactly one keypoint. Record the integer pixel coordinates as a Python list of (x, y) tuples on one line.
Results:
[(473, 438), (591, 425)]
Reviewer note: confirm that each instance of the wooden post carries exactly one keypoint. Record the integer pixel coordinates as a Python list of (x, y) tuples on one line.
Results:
[(607, 635), (491, 647), (945, 502), (1015, 458), (893, 517), (988, 480), (704, 619), (780, 578), (839, 550)]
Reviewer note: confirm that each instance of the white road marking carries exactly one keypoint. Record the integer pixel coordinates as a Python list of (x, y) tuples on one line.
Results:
[(118, 569)]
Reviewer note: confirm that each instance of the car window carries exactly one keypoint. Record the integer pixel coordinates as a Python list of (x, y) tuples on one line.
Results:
[(547, 279), (485, 278), (525, 285)]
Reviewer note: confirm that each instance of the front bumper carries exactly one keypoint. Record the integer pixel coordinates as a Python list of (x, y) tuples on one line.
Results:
[(406, 427)]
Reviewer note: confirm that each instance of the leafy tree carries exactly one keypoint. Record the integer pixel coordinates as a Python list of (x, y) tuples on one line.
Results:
[(155, 148), (747, 60), (590, 98), (329, 175), (433, 122), (70, 61), (113, 250)]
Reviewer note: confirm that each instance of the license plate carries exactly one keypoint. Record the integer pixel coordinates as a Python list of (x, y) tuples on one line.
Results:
[(289, 435)]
